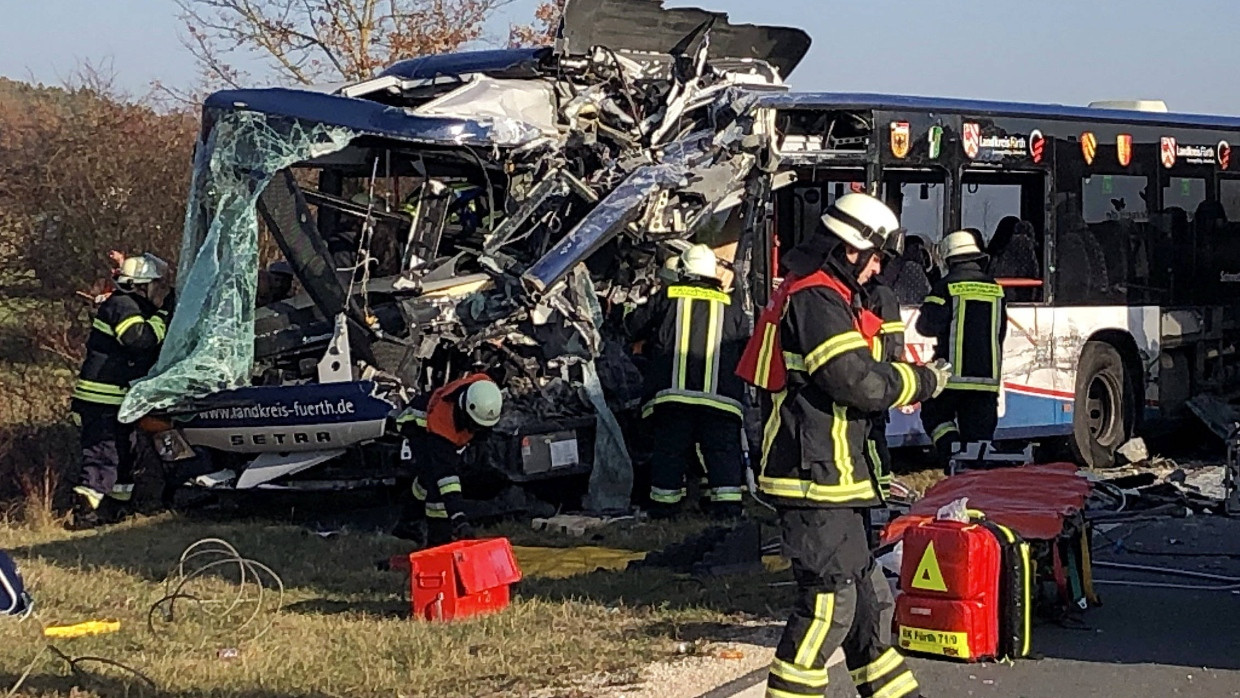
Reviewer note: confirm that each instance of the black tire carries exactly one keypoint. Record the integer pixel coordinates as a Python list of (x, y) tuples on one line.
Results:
[(1106, 411)]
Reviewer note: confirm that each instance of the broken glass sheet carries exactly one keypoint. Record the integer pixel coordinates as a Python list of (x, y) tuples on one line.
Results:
[(210, 345)]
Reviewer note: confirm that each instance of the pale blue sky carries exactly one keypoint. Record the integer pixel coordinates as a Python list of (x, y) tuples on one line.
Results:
[(1066, 51)]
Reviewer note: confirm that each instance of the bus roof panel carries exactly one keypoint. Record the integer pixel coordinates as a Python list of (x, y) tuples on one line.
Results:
[(848, 100)]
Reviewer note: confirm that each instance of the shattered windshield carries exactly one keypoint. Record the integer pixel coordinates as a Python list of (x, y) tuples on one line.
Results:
[(210, 342)]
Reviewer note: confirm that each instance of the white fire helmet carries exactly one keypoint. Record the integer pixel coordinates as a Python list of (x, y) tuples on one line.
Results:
[(960, 244), (139, 270), (483, 403), (699, 260), (865, 223)]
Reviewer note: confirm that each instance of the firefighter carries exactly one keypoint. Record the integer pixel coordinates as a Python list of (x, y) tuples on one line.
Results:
[(966, 315), (124, 341), (439, 426), (812, 351), (694, 332)]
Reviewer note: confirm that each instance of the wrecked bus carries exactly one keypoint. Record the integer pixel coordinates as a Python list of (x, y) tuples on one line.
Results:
[(498, 210), (1109, 225), (492, 211)]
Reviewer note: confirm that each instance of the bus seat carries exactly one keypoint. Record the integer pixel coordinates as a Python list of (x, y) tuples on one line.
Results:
[(1018, 259)]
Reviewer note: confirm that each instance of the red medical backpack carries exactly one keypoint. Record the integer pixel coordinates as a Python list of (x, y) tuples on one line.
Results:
[(966, 591)]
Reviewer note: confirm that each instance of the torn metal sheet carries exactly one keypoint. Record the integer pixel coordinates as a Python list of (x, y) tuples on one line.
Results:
[(507, 106), (646, 26)]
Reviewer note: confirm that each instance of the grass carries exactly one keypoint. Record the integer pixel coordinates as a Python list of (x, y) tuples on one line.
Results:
[(344, 630)]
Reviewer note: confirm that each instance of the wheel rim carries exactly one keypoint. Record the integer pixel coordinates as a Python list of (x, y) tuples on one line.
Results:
[(1101, 413)]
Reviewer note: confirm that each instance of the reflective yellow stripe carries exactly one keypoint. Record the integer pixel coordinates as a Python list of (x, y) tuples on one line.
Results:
[(943, 430), (763, 376), (161, 329), (123, 326), (810, 678), (957, 348), (816, 633), (684, 320), (121, 493), (793, 488), (980, 289), (995, 350), (692, 397), (772, 425), (908, 381), (839, 444), (893, 327), (436, 510), (725, 494), (104, 388), (899, 687), (103, 327), (872, 449), (418, 492), (876, 348), (713, 328), (98, 399), (662, 496), (936, 300), (702, 294), (833, 347), (93, 498), (877, 669), (794, 362), (449, 485), (411, 415)]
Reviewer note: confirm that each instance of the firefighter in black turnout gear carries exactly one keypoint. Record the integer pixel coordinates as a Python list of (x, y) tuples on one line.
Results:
[(967, 315), (438, 427), (124, 342), (694, 333), (812, 349)]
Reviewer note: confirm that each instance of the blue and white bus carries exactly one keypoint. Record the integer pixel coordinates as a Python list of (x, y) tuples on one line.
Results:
[(1110, 225)]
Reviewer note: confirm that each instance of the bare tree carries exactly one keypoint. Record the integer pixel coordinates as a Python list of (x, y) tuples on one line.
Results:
[(542, 31), (316, 41)]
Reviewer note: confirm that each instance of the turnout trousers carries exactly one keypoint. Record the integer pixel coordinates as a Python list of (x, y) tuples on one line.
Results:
[(107, 454), (679, 432), (842, 600), (959, 416)]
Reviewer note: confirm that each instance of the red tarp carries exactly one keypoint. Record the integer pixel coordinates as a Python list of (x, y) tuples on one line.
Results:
[(1032, 500)]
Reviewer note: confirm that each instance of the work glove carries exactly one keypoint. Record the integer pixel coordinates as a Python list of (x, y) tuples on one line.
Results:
[(942, 372)]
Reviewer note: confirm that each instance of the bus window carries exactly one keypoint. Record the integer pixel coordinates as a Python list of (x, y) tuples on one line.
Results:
[(917, 198), (1104, 248), (1009, 209), (1174, 255), (799, 207)]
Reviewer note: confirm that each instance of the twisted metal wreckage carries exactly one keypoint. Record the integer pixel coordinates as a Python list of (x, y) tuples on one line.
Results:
[(495, 208)]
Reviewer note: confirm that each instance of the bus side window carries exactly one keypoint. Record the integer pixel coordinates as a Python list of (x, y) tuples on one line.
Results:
[(917, 198), (1007, 208)]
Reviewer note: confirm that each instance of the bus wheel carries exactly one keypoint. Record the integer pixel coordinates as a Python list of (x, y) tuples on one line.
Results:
[(1105, 410)]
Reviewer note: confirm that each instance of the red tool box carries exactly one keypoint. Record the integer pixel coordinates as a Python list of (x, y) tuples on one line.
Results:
[(966, 591), (460, 579)]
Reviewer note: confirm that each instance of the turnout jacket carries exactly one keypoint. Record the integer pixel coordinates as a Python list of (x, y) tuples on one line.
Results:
[(813, 451), (967, 315), (124, 341), (694, 333)]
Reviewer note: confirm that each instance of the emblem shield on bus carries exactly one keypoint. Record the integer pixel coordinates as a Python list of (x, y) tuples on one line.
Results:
[(972, 139), (936, 141), (1123, 144), (1089, 147), (1224, 154), (900, 139), (1167, 151), (1037, 145)]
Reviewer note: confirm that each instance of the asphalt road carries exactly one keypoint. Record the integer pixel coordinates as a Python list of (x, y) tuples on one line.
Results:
[(1141, 643)]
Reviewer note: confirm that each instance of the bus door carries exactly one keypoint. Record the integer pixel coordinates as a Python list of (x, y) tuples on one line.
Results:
[(799, 206)]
